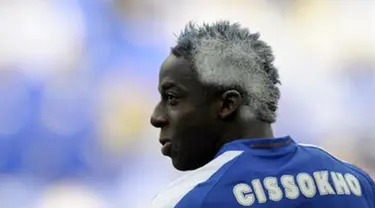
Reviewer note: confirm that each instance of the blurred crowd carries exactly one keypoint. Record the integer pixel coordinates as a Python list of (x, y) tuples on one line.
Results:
[(78, 82)]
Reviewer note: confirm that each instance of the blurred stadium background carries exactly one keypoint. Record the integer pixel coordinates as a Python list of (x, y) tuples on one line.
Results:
[(78, 83)]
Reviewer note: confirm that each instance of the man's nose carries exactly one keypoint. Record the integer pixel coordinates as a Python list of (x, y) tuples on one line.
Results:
[(158, 120)]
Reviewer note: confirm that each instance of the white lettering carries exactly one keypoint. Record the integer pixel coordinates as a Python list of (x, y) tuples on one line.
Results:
[(259, 191), (291, 189), (306, 185), (323, 183), (340, 183), (321, 179), (243, 194), (353, 184), (274, 191)]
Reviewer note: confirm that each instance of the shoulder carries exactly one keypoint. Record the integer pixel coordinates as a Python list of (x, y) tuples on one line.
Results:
[(212, 192), (354, 169), (192, 189), (317, 150)]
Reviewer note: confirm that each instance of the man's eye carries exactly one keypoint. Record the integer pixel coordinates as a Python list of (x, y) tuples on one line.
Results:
[(171, 99)]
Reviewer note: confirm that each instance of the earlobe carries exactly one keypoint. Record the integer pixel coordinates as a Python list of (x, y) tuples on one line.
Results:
[(230, 102)]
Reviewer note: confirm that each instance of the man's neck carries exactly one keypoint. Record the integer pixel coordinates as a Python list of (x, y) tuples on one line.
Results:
[(258, 130), (253, 130)]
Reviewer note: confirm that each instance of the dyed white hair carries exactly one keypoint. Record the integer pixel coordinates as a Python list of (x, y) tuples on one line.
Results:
[(230, 57)]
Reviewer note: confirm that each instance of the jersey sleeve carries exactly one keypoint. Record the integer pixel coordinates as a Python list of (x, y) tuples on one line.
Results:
[(369, 188), (217, 191), (369, 185), (373, 193), (209, 195)]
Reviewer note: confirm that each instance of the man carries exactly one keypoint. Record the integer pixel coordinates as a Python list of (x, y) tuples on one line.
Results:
[(219, 96)]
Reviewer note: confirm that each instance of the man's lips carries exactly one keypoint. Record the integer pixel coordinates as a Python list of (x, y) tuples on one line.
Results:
[(166, 146)]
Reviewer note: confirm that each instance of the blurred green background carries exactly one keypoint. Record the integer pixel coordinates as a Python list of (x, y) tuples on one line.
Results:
[(78, 82)]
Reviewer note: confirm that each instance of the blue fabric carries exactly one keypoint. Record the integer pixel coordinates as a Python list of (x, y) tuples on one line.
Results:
[(290, 176)]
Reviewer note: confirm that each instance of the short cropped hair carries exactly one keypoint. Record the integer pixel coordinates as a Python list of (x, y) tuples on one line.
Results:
[(228, 56)]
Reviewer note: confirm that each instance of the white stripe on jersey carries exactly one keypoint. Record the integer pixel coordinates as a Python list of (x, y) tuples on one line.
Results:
[(182, 186)]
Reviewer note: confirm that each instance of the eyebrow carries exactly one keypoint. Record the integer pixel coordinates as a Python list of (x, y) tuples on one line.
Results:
[(168, 85)]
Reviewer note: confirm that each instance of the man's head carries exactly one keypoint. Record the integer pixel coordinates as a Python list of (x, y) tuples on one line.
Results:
[(217, 85)]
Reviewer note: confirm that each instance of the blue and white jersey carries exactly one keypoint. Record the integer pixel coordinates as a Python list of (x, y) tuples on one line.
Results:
[(271, 173)]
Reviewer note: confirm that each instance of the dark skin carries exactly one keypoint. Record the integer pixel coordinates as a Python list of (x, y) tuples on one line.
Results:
[(196, 120)]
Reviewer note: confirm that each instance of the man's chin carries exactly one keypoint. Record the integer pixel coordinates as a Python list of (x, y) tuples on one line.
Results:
[(183, 166), (180, 167)]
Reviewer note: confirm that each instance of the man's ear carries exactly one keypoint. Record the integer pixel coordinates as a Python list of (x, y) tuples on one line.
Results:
[(230, 102)]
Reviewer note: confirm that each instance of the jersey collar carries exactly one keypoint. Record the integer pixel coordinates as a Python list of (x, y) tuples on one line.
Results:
[(263, 146)]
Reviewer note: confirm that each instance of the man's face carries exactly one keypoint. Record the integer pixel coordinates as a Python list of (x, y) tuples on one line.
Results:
[(186, 116)]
